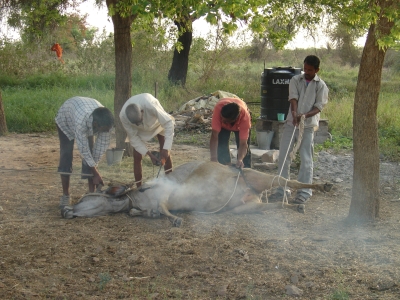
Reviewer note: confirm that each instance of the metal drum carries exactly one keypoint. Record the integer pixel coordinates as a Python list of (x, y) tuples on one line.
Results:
[(275, 91)]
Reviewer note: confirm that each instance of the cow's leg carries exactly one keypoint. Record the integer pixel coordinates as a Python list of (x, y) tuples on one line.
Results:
[(147, 213), (260, 182), (176, 221), (258, 207)]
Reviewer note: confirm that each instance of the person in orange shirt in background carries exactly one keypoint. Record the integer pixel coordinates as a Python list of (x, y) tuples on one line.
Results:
[(56, 47)]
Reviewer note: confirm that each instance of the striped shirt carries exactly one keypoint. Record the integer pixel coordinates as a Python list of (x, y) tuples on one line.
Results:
[(75, 119)]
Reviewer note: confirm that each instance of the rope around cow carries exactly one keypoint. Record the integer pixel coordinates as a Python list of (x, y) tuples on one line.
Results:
[(292, 156)]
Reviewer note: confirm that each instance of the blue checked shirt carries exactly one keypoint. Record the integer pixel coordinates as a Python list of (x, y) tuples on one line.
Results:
[(75, 119)]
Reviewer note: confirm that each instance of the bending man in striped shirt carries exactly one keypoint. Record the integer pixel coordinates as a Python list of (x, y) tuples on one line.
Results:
[(80, 119)]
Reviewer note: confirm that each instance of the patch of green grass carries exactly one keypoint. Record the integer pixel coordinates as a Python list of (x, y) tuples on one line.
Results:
[(338, 143), (34, 110), (104, 279), (339, 294), (389, 143), (339, 113)]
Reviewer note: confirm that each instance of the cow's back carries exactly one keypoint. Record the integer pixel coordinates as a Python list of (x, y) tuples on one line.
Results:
[(206, 186), (182, 172)]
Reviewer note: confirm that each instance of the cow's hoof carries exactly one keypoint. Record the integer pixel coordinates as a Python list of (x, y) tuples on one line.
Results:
[(135, 212), (328, 187), (177, 222), (67, 212), (301, 208)]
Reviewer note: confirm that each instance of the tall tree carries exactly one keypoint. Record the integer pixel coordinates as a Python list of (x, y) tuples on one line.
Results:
[(384, 31), (122, 22), (344, 38), (36, 17), (123, 14), (180, 62), (3, 124)]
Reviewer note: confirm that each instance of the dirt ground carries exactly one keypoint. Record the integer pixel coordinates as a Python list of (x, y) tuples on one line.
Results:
[(221, 256)]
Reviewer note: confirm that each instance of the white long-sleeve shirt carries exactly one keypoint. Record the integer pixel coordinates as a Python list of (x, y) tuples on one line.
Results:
[(155, 121), (75, 119), (315, 94)]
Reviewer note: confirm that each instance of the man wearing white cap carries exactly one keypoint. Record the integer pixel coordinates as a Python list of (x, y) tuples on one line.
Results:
[(143, 118)]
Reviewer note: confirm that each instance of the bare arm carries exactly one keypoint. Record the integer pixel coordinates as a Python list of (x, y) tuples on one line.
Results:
[(241, 153), (96, 177), (214, 145), (293, 107)]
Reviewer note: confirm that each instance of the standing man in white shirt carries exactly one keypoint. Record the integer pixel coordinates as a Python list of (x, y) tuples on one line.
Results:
[(308, 95), (80, 119), (143, 118)]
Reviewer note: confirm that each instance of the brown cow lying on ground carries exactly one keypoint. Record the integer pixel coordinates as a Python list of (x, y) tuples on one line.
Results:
[(195, 186)]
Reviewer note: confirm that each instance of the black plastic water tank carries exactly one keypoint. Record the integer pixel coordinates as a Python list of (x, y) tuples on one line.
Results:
[(275, 91)]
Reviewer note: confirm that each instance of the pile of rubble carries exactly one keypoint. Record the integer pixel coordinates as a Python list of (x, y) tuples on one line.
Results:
[(198, 119), (196, 114)]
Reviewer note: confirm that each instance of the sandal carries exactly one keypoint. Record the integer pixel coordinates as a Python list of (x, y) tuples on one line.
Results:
[(300, 199)]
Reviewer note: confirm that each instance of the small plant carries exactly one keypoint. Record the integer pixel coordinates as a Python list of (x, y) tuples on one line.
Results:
[(104, 279), (339, 294), (337, 143)]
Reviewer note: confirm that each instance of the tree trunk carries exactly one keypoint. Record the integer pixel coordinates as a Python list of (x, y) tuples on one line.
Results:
[(3, 124), (123, 68), (364, 205), (180, 62)]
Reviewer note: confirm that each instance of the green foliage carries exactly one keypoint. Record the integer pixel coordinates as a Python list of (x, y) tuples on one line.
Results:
[(38, 18), (392, 61), (21, 60), (34, 90), (339, 112), (361, 14), (338, 143), (343, 38)]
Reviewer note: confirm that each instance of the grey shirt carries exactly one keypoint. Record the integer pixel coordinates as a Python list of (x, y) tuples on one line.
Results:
[(315, 94)]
